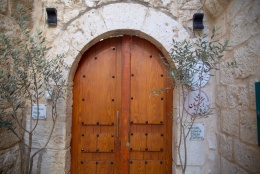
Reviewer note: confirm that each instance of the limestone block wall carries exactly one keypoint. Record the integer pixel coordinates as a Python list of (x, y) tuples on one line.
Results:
[(9, 143), (230, 134), (235, 93), (81, 24)]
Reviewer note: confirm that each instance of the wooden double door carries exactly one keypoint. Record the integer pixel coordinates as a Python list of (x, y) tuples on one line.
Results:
[(118, 126)]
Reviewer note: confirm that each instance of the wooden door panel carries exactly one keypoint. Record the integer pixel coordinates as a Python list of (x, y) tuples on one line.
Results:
[(137, 166), (118, 127), (105, 142), (137, 142), (88, 142), (154, 167), (105, 167), (146, 75), (87, 167), (99, 88), (155, 141), (97, 142)]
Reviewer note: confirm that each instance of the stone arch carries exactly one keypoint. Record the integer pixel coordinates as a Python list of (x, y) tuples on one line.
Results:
[(111, 20)]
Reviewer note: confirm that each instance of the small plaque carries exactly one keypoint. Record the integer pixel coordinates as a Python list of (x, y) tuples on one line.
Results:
[(42, 111), (197, 132)]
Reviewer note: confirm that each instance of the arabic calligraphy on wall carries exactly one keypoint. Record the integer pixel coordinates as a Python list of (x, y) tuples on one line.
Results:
[(197, 103)]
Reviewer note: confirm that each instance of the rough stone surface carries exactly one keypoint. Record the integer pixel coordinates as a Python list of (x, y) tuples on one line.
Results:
[(196, 153), (243, 98), (221, 97), (42, 132), (251, 89), (246, 57), (7, 26), (232, 95), (52, 161), (132, 19), (10, 160), (228, 167), (193, 170), (226, 146), (247, 156), (212, 142), (69, 15), (226, 75), (214, 7), (3, 6), (8, 139), (243, 28), (248, 127), (235, 7), (230, 121)]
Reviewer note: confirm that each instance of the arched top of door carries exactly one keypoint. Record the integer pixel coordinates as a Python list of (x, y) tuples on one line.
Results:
[(112, 20)]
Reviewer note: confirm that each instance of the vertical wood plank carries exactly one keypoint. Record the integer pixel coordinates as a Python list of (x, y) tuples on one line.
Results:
[(124, 126)]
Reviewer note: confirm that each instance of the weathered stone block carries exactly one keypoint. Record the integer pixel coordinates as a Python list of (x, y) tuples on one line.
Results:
[(9, 27), (251, 90), (245, 25), (41, 134), (228, 167), (193, 170), (247, 58), (195, 152), (230, 121), (248, 127), (247, 156), (163, 28), (69, 15), (212, 142), (83, 30), (221, 100), (214, 7), (124, 16), (226, 146), (191, 5), (226, 75), (243, 98), (235, 7), (3, 6), (52, 161), (91, 3), (10, 160), (8, 138), (232, 95)]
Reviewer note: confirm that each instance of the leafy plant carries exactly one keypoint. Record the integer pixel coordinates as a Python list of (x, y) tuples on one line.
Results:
[(26, 73), (187, 76)]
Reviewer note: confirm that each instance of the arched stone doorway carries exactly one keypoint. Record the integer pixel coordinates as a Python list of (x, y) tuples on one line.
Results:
[(95, 25), (118, 127)]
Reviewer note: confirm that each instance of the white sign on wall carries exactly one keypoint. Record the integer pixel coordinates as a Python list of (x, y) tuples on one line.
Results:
[(42, 111), (197, 132)]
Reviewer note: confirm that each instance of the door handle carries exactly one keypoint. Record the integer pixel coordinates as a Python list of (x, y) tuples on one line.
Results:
[(117, 122)]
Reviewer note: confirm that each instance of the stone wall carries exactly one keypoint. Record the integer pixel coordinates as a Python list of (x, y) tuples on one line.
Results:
[(81, 24), (230, 134), (235, 96), (9, 143)]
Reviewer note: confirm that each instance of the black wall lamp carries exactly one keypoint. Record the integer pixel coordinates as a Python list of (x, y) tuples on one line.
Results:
[(198, 21), (51, 16)]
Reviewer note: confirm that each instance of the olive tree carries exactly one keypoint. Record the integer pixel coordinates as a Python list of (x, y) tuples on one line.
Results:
[(25, 76)]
